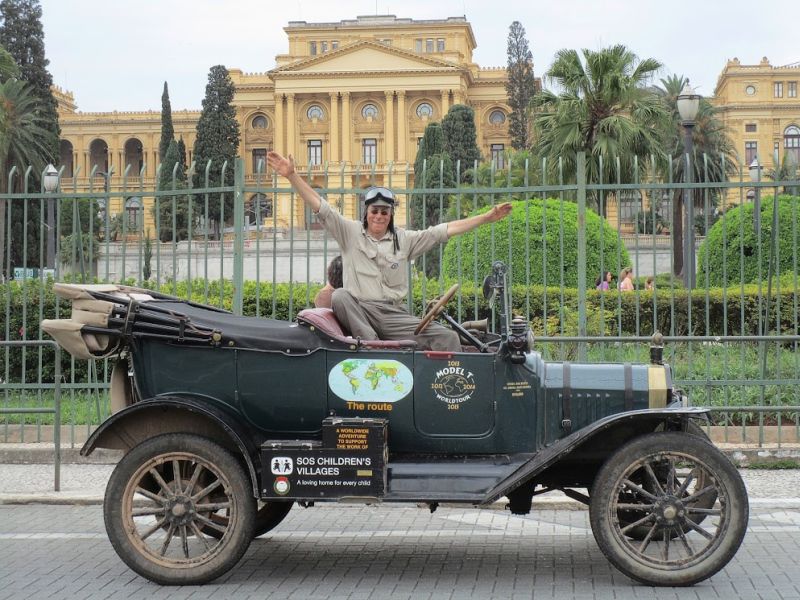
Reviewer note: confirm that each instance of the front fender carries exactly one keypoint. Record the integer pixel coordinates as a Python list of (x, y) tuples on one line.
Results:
[(628, 424), (175, 414)]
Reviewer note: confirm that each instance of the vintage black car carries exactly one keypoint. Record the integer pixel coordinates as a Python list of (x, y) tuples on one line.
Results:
[(226, 422)]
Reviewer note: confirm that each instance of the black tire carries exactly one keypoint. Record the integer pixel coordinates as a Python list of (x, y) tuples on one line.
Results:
[(677, 551), (707, 501), (156, 505), (268, 516)]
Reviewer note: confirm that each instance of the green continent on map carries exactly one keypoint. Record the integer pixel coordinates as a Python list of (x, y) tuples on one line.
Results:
[(355, 383), (378, 370), (349, 366)]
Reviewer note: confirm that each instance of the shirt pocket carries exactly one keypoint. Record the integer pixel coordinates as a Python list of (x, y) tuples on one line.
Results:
[(395, 273)]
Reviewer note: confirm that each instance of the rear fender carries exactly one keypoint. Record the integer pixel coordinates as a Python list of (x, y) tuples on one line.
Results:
[(597, 441), (175, 414)]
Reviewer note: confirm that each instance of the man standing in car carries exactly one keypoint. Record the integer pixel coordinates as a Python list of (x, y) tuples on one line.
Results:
[(375, 256)]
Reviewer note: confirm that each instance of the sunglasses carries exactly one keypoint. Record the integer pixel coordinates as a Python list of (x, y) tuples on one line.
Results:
[(374, 210), (381, 192)]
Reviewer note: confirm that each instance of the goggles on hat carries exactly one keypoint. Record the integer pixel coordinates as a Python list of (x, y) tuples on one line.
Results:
[(379, 193)]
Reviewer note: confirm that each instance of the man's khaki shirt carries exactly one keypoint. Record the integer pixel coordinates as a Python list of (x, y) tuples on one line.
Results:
[(372, 270)]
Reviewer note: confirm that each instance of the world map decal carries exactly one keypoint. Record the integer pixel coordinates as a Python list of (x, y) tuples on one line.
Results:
[(362, 379)]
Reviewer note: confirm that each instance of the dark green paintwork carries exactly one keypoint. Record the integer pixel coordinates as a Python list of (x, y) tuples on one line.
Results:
[(466, 403)]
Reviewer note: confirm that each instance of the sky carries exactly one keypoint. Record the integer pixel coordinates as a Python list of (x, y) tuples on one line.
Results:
[(116, 55)]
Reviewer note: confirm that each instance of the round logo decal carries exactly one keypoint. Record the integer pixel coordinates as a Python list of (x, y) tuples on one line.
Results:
[(362, 379), (281, 486), (453, 384)]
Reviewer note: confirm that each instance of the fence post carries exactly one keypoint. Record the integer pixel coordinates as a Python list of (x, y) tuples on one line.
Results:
[(581, 176), (238, 240)]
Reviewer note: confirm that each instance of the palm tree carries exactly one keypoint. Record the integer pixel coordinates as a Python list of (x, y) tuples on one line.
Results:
[(714, 157), (23, 139), (8, 68), (603, 107)]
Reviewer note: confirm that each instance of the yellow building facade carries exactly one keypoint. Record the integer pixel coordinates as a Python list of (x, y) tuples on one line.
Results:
[(351, 98), (760, 107)]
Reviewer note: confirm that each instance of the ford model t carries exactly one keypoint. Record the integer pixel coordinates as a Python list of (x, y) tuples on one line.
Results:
[(226, 422)]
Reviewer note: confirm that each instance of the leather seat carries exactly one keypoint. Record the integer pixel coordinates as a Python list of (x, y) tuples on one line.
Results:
[(325, 321)]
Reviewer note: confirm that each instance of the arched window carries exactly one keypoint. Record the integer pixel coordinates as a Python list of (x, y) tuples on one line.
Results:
[(424, 110), (98, 155), (791, 144), (314, 112), (259, 122), (134, 156), (133, 213), (65, 152), (497, 117), (258, 208), (370, 111)]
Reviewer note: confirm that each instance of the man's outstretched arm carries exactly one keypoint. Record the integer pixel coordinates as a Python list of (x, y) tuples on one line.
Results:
[(501, 211), (285, 168)]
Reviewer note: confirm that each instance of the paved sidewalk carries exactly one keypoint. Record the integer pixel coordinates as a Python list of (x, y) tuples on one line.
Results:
[(85, 484)]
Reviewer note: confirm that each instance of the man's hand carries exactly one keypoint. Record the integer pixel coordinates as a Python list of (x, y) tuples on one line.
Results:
[(501, 211), (285, 168), (281, 165)]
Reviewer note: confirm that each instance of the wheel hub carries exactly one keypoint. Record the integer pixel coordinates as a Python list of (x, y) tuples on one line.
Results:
[(670, 511), (180, 510)]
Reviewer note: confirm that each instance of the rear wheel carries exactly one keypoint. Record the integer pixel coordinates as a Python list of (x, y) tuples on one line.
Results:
[(158, 503), (681, 470)]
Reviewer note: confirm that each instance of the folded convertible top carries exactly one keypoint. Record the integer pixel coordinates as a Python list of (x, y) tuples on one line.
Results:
[(105, 315)]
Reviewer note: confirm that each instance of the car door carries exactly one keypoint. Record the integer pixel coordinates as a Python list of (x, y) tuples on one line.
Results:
[(454, 394)]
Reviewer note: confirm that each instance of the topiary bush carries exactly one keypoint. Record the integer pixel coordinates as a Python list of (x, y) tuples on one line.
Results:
[(730, 252), (525, 222)]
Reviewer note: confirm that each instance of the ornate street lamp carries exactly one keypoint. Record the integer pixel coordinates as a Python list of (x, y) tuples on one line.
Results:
[(50, 180), (688, 105)]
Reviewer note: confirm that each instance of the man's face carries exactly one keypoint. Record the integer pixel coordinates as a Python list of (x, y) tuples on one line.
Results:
[(378, 218)]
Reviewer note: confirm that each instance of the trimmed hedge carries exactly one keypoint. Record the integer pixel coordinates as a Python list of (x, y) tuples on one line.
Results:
[(736, 259), (623, 313), (525, 222)]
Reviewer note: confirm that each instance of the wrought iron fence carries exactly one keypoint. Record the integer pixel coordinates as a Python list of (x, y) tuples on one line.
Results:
[(254, 248)]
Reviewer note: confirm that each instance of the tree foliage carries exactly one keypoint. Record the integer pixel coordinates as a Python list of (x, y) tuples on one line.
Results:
[(541, 232), (734, 252), (24, 140), (603, 106), (217, 139), (167, 130), (172, 212), (8, 67), (520, 88), (461, 138), (22, 35)]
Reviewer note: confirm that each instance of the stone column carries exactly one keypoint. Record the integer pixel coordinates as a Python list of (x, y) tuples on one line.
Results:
[(402, 126), (445, 102), (334, 137), (291, 126), (458, 97), (389, 126), (347, 142), (278, 142)]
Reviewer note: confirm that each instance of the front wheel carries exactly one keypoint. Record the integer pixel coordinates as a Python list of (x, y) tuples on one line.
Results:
[(157, 506), (681, 470)]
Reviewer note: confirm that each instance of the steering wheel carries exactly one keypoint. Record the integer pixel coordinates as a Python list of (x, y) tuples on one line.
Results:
[(436, 309)]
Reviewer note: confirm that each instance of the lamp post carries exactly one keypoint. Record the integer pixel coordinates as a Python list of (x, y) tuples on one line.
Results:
[(688, 105), (50, 184)]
